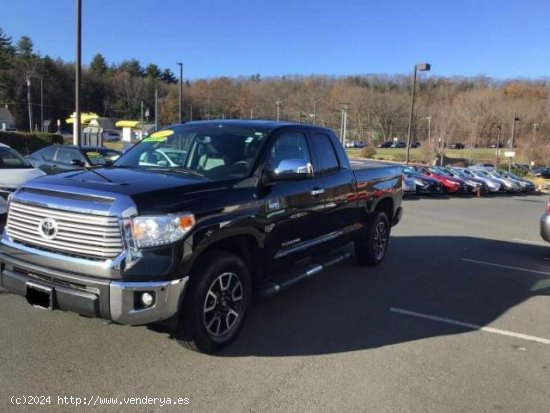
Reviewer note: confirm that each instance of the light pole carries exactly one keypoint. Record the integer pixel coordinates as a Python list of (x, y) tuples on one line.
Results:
[(514, 120), (181, 88), (422, 67), (78, 68), (41, 105), (29, 101), (156, 109), (278, 104), (345, 107)]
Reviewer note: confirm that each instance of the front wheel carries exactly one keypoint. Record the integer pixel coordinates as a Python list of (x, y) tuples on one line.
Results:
[(372, 244), (216, 303)]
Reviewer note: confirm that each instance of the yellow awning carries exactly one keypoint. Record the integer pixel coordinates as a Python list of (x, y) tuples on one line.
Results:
[(84, 118), (128, 124)]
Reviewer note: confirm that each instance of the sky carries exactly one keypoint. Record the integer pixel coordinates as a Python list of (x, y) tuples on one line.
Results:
[(497, 38)]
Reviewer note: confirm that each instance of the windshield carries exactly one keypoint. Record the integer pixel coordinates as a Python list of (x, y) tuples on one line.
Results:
[(214, 151), (101, 156), (10, 159)]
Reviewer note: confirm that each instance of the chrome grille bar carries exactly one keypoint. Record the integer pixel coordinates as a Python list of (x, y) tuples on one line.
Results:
[(84, 235)]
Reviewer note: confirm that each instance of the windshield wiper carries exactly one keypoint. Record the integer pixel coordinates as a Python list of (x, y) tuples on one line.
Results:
[(180, 170)]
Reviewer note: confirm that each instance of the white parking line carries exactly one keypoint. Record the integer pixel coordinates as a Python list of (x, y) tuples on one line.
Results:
[(525, 241), (470, 325), (510, 267)]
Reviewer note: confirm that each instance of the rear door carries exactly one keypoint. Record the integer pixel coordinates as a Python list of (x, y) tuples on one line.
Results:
[(338, 181)]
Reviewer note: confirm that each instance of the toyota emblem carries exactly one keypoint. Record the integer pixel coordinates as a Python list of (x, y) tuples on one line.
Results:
[(47, 228)]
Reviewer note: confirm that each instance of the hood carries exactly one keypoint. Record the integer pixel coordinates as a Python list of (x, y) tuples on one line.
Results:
[(15, 177), (151, 191), (127, 181)]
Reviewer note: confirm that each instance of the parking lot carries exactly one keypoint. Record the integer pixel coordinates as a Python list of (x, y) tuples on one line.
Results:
[(455, 320)]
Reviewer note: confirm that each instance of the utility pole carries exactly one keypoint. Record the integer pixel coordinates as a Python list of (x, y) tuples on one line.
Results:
[(514, 120), (497, 149), (156, 109), (29, 101), (343, 123), (181, 89), (278, 104), (41, 105), (78, 68), (141, 121), (314, 111)]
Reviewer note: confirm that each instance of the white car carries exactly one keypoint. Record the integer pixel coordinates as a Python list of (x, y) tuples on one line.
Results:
[(14, 171)]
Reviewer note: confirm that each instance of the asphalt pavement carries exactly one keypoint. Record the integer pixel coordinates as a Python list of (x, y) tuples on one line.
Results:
[(455, 320)]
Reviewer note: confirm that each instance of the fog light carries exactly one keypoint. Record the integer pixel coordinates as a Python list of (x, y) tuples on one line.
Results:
[(147, 299)]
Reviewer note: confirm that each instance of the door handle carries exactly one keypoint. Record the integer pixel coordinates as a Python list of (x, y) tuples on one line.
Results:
[(317, 191)]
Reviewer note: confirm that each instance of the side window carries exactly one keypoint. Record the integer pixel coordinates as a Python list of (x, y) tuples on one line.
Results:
[(328, 161), (66, 155), (48, 153), (289, 146)]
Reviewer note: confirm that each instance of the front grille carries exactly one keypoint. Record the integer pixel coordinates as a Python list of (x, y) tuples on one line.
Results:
[(78, 234)]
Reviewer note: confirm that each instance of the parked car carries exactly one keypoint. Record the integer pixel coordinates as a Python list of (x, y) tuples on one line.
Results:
[(14, 171), (473, 185), (545, 224), (542, 172), (448, 184), (356, 144), (137, 244), (111, 136), (424, 184), (409, 185), (398, 144), (415, 144), (492, 184), (509, 185), (526, 185), (457, 145), (487, 166), (387, 144), (62, 158)]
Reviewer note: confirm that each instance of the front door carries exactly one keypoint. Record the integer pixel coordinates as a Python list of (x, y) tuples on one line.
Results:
[(292, 208)]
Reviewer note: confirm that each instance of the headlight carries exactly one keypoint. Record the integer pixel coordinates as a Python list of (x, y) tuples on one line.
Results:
[(419, 182), (150, 231)]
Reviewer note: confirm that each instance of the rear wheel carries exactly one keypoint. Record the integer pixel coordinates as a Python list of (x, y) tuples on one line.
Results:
[(371, 247), (216, 303)]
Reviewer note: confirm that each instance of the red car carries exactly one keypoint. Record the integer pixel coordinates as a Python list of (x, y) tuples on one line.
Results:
[(448, 184)]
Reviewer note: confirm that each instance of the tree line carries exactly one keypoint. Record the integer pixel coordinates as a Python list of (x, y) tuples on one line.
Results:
[(475, 111)]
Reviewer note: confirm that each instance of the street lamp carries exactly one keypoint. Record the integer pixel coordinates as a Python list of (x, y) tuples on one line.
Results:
[(514, 120), (278, 104), (422, 67), (78, 68), (181, 88)]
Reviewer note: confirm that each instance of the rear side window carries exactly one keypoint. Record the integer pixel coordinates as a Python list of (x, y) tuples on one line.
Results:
[(67, 155), (289, 146), (328, 161), (48, 153)]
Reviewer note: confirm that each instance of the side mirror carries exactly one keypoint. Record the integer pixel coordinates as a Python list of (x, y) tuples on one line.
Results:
[(77, 162), (290, 170)]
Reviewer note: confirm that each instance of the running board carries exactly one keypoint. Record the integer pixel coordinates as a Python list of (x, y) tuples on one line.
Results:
[(309, 271)]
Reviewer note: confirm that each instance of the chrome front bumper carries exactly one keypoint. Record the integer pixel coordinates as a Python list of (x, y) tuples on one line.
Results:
[(114, 300)]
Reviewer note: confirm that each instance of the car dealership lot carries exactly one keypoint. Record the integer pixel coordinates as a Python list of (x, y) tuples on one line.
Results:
[(404, 336)]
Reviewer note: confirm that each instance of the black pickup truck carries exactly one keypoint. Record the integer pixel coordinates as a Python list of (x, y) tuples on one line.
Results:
[(193, 222)]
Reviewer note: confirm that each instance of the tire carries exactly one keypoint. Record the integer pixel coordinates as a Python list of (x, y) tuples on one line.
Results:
[(216, 303), (372, 245)]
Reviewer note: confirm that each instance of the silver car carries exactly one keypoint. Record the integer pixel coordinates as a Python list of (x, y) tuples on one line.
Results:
[(545, 224)]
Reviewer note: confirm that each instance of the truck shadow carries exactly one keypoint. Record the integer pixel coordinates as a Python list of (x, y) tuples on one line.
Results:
[(347, 308)]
